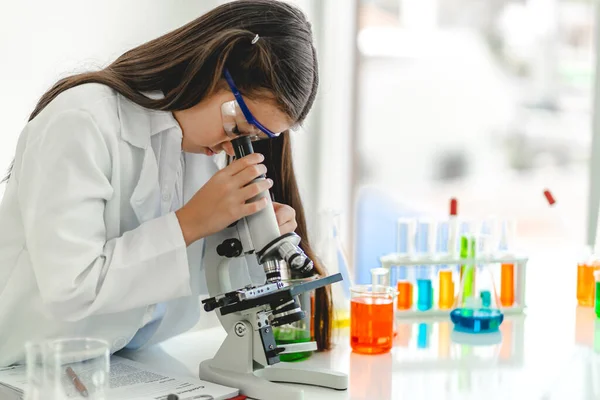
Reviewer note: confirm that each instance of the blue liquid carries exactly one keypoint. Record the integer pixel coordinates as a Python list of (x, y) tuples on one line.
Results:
[(424, 294), (476, 320)]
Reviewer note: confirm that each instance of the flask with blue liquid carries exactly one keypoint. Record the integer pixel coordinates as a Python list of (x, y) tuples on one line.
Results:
[(476, 309)]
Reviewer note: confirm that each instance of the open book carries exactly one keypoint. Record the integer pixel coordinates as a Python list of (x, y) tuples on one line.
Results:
[(129, 380)]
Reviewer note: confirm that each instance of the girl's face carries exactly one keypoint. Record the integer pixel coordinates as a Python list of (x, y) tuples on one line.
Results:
[(202, 125)]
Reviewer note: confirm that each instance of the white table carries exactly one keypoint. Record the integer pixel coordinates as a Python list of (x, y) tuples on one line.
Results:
[(547, 354)]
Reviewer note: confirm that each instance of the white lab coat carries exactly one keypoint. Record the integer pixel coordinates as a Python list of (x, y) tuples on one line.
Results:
[(85, 244)]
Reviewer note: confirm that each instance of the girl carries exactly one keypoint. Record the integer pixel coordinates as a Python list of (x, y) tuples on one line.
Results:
[(114, 184)]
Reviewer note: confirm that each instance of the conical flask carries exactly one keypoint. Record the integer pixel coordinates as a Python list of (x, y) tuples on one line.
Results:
[(476, 309), (332, 253)]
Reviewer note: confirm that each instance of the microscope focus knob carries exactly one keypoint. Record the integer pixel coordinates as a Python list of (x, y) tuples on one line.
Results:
[(230, 248)]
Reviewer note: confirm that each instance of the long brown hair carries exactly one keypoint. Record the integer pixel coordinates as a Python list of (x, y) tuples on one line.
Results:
[(187, 64)]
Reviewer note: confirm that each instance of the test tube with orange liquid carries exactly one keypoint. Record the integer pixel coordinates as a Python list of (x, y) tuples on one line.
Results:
[(585, 279), (371, 319), (405, 245), (404, 289), (446, 274), (507, 270), (446, 288)]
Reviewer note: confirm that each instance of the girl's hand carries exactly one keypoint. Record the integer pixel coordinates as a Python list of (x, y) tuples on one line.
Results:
[(286, 218), (222, 200)]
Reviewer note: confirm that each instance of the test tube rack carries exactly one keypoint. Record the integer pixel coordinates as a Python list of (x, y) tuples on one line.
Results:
[(396, 260)]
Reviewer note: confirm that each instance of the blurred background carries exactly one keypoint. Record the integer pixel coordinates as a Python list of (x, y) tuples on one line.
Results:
[(420, 101)]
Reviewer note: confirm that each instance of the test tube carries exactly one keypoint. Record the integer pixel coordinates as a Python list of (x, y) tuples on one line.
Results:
[(597, 302), (426, 237), (490, 236), (404, 288), (585, 279), (507, 270), (446, 288), (380, 279), (407, 230), (424, 290), (467, 271)]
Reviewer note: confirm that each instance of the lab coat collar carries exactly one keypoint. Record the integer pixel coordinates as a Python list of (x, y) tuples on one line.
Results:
[(139, 124)]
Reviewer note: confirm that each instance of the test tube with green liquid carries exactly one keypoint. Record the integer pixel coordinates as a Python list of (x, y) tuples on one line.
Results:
[(597, 300), (467, 272)]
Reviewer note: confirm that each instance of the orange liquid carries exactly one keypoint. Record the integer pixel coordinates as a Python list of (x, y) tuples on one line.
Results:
[(507, 285), (446, 290), (585, 285), (371, 325), (405, 295)]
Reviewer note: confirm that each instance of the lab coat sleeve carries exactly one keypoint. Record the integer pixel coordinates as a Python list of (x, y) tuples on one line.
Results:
[(63, 189)]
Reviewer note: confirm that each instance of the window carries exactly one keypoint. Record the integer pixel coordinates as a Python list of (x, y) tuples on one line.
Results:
[(486, 101)]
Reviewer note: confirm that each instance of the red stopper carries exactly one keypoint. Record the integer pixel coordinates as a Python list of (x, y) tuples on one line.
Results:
[(549, 197), (453, 207)]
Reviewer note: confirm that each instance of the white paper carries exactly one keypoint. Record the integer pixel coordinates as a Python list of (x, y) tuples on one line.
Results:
[(130, 380)]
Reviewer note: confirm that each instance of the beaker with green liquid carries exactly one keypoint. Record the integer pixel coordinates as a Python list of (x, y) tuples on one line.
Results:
[(300, 331)]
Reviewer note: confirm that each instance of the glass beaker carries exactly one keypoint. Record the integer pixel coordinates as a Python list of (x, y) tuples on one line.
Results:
[(299, 331), (371, 319), (70, 368)]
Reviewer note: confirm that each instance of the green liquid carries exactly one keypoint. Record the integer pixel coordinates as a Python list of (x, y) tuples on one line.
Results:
[(467, 251), (597, 303), (290, 335)]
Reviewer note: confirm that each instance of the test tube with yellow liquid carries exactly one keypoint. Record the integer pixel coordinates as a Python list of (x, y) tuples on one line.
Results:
[(446, 288)]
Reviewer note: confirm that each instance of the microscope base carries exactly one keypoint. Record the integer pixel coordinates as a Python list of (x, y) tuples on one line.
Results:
[(303, 375), (234, 366), (249, 384)]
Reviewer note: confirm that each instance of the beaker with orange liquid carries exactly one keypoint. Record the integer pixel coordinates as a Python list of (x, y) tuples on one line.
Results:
[(371, 319)]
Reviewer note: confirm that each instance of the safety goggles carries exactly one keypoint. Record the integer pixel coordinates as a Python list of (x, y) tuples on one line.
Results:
[(237, 118)]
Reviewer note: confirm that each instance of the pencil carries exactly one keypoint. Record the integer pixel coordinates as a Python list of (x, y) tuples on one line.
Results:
[(77, 383)]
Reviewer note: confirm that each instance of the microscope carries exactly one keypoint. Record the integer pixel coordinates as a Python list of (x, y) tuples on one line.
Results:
[(248, 358)]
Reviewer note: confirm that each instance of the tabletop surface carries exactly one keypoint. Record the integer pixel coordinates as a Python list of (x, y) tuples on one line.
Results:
[(547, 353)]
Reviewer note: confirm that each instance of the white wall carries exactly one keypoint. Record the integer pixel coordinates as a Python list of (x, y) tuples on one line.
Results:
[(41, 41)]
